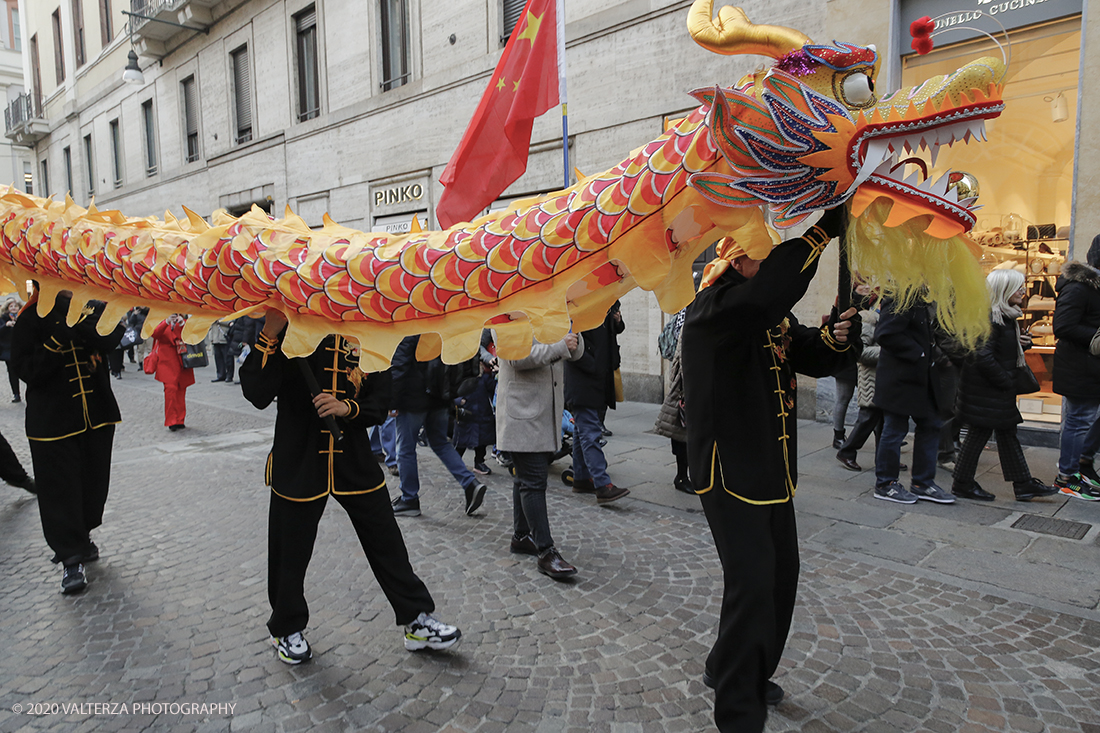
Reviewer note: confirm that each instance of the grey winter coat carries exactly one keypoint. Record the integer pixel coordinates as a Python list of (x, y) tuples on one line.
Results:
[(668, 419), (531, 397), (868, 360)]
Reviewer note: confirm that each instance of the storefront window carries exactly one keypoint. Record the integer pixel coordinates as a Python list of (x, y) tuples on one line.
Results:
[(1024, 173)]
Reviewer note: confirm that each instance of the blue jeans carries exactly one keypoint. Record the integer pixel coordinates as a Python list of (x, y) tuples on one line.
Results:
[(588, 458), (926, 445), (383, 439), (1078, 418), (434, 423)]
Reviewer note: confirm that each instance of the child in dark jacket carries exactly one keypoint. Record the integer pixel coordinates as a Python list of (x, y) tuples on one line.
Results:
[(475, 422)]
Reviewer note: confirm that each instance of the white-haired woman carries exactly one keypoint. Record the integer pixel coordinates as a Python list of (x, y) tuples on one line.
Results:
[(986, 401)]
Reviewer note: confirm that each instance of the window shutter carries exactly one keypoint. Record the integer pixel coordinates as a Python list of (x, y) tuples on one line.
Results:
[(306, 20), (190, 106), (105, 33), (513, 9), (243, 90)]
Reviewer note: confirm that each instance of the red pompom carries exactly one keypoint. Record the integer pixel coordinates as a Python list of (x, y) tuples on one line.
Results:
[(922, 27), (922, 45)]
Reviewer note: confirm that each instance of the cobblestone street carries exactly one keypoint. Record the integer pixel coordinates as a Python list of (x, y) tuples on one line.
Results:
[(888, 635)]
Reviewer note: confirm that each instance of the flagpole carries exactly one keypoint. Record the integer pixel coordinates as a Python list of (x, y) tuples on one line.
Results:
[(560, 16)]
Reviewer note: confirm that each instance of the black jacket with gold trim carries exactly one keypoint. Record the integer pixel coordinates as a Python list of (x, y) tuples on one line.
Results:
[(65, 368), (305, 462), (741, 348)]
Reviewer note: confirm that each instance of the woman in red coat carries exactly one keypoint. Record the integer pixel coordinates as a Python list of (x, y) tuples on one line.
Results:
[(171, 372)]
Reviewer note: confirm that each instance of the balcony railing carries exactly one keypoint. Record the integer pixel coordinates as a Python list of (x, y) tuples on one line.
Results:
[(22, 109), (23, 123)]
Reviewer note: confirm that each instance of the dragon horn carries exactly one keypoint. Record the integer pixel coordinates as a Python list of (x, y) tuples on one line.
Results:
[(732, 33)]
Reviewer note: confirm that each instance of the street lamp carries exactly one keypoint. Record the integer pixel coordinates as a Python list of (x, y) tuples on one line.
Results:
[(132, 73)]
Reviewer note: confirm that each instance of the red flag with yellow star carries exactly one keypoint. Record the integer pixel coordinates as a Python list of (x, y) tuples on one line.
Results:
[(493, 152)]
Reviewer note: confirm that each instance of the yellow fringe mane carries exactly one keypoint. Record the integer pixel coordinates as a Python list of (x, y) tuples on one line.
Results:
[(908, 265)]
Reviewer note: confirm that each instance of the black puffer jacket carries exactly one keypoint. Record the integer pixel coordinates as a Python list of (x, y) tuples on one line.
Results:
[(904, 381), (1076, 320), (987, 391)]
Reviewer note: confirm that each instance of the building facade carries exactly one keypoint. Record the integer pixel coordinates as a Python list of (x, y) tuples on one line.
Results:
[(16, 163), (354, 107)]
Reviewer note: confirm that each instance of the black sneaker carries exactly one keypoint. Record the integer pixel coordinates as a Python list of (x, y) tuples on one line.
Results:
[(1086, 470), (91, 552), (292, 649), (474, 496), (428, 632), (482, 470), (73, 580), (406, 508)]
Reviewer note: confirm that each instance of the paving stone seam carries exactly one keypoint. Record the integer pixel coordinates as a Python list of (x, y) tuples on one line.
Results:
[(1039, 602)]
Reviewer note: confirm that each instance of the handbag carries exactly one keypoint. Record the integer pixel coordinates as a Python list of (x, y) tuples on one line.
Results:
[(129, 338), (1025, 380), (149, 363), (194, 355), (618, 377)]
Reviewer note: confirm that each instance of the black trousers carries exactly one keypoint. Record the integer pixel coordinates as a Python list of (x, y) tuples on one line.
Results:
[(869, 421), (115, 361), (224, 362), (13, 380), (1013, 464), (292, 531), (529, 498), (11, 470), (72, 476), (758, 548)]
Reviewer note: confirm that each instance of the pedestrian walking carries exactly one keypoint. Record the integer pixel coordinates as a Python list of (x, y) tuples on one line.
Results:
[(7, 326), (742, 448), (224, 362), (590, 389), (423, 397), (530, 398), (307, 464), (670, 419), (171, 372), (907, 386), (986, 402), (1077, 370), (475, 421), (71, 431)]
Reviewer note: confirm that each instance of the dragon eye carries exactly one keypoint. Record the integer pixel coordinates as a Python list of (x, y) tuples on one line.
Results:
[(859, 89)]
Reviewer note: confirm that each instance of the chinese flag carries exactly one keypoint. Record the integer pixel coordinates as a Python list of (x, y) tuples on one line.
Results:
[(493, 152)]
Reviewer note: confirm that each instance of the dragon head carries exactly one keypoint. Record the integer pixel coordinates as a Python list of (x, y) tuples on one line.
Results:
[(811, 133)]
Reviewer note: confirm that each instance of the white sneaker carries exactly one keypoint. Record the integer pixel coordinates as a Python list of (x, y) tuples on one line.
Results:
[(427, 632), (293, 649)]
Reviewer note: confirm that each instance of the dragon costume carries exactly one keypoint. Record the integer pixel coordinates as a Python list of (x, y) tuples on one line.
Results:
[(806, 134)]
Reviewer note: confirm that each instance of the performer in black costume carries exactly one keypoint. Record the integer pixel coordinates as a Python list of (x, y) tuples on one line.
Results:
[(71, 418), (307, 464), (741, 348)]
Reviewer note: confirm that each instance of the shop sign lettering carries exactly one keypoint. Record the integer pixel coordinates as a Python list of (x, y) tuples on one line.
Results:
[(398, 195), (1008, 13)]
